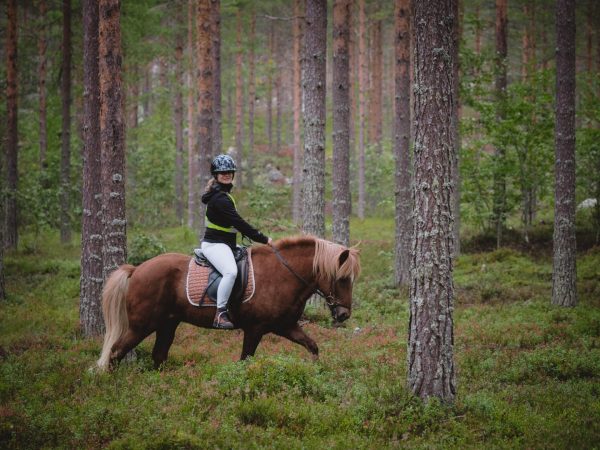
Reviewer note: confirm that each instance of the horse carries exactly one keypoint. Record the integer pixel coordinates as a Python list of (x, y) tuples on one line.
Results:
[(137, 301)]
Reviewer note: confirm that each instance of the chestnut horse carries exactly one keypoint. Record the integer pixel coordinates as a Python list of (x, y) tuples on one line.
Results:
[(138, 301)]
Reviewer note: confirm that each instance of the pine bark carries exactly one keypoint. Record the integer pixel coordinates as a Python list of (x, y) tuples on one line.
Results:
[(377, 86), (65, 161), (499, 207), (205, 61), (297, 107), (456, 114), (90, 290), (12, 140), (251, 102), (178, 119), (430, 340), (362, 88), (112, 137), (341, 123), (314, 89), (42, 47), (403, 175), (217, 125), (564, 289), (191, 118), (270, 70), (239, 97)]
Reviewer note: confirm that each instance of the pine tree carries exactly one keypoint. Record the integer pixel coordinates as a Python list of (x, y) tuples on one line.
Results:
[(564, 289), (499, 207), (315, 54), (431, 338), (112, 137), (12, 140), (65, 162), (297, 107), (90, 311), (42, 91), (403, 176), (341, 123), (205, 62)]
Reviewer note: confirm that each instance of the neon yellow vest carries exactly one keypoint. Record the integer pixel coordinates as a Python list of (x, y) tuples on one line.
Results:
[(214, 226)]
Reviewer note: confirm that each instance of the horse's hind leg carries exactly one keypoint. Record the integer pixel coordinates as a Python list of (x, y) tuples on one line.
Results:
[(297, 335), (126, 343), (164, 338)]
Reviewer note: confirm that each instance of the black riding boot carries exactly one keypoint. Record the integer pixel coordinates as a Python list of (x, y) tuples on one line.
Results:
[(222, 320)]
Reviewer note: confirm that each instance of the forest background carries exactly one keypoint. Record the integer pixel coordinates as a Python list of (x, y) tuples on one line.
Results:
[(527, 372)]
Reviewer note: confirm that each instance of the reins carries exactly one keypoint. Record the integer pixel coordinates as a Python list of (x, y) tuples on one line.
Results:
[(329, 299)]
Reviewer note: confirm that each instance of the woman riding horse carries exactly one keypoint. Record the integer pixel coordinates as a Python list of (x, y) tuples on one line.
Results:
[(138, 301), (222, 224)]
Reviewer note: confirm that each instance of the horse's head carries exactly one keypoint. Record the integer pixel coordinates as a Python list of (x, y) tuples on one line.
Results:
[(336, 267)]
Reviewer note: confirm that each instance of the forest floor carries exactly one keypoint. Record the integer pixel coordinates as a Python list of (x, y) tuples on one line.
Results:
[(528, 373)]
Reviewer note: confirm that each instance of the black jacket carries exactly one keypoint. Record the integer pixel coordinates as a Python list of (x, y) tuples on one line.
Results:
[(221, 211)]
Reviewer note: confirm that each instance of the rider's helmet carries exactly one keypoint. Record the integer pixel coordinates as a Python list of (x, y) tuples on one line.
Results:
[(222, 163)]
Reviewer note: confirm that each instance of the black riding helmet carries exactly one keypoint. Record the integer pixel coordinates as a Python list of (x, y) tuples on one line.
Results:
[(222, 163)]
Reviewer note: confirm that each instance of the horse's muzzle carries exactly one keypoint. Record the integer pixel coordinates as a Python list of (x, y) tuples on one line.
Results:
[(340, 314)]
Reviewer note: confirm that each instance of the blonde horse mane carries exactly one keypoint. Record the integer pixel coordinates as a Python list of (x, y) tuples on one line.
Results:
[(326, 261)]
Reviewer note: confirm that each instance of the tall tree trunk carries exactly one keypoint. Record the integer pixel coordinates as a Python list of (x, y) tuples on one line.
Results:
[(315, 56), (42, 46), (341, 123), (499, 207), (456, 114), (270, 70), (431, 338), (217, 133), (65, 161), (278, 97), (134, 97), (297, 107), (251, 102), (352, 83), (90, 289), (403, 177), (377, 87), (12, 141), (239, 98), (191, 117), (178, 119), (147, 90), (112, 137), (362, 87), (589, 36), (564, 290), (205, 61)]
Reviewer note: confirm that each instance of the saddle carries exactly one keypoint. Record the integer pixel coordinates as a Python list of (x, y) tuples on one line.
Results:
[(203, 279)]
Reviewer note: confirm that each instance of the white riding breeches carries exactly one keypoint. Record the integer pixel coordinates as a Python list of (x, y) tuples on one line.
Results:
[(221, 256)]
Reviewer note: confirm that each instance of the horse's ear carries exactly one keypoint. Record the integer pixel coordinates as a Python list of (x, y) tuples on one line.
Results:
[(343, 257)]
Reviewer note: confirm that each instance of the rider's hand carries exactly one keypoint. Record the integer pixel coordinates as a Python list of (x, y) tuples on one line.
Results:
[(270, 242)]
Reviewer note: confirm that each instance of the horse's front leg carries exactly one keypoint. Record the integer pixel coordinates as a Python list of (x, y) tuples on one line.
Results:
[(252, 338), (164, 339), (297, 335)]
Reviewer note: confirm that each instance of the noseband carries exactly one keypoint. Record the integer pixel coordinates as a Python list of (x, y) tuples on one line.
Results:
[(330, 299)]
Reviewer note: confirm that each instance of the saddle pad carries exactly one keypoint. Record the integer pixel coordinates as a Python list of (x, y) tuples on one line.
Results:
[(197, 284)]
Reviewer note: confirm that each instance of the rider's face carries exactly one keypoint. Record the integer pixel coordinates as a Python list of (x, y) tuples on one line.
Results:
[(225, 177)]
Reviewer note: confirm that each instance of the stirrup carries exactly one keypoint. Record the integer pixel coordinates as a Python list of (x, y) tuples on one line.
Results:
[(222, 320)]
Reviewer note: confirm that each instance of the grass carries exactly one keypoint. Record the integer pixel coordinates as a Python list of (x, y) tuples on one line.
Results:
[(528, 373)]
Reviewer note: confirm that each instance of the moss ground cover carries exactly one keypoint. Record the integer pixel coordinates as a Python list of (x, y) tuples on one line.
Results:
[(528, 373)]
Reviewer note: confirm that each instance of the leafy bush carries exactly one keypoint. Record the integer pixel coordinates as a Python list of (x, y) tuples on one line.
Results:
[(143, 247)]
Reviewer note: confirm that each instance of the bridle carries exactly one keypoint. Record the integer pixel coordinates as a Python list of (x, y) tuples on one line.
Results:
[(330, 299)]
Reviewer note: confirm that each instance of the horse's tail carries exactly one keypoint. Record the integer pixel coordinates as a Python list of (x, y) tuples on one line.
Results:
[(114, 310)]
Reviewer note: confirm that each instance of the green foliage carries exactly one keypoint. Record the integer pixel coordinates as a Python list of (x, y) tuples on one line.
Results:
[(143, 247)]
